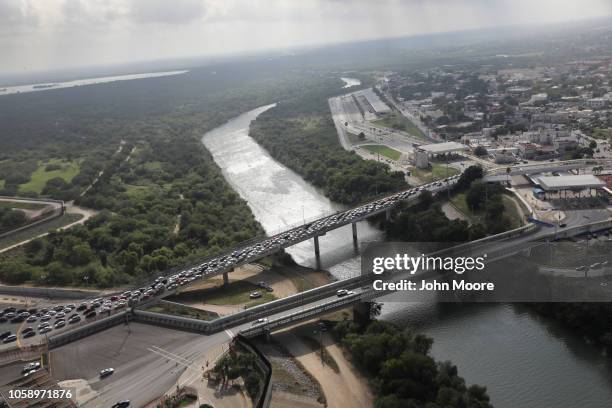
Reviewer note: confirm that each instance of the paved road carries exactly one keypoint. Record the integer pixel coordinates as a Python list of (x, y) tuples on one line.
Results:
[(148, 360)]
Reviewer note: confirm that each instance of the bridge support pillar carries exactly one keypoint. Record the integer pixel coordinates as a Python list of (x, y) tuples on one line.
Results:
[(361, 313), (388, 214), (317, 252), (225, 278), (355, 240)]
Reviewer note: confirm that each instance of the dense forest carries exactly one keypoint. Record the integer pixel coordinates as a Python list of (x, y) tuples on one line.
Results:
[(401, 371), (300, 133)]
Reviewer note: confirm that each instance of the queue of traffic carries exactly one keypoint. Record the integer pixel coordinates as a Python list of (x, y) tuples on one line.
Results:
[(60, 316)]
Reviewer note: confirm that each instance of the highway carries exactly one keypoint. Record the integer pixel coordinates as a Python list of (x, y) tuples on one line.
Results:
[(348, 119)]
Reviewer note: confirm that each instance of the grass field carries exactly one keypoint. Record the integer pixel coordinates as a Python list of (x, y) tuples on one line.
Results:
[(2, 183), (513, 213), (67, 171), (235, 293), (180, 310), (384, 151), (396, 120), (436, 172)]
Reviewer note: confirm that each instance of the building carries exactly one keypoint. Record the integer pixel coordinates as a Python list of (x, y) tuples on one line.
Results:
[(421, 159), (377, 105), (597, 103), (528, 150), (565, 143), (557, 184)]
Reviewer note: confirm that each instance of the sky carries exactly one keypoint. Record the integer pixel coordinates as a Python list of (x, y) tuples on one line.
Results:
[(42, 35)]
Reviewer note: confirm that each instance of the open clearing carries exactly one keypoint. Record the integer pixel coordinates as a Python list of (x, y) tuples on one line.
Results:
[(67, 170), (383, 150), (436, 172)]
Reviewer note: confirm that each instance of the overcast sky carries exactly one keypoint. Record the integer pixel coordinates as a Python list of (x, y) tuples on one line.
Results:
[(38, 35)]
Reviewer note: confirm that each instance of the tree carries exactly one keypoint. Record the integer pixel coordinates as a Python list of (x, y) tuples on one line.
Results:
[(469, 175), (480, 151), (476, 196), (361, 136), (13, 219)]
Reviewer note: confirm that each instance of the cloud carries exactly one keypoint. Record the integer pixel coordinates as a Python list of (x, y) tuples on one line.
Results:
[(50, 34), (166, 11)]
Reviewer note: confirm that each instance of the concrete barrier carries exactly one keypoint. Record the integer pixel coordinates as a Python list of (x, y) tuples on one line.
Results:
[(88, 329), (171, 321)]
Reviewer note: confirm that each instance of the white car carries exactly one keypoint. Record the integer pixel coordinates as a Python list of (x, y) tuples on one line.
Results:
[(106, 372), (258, 322)]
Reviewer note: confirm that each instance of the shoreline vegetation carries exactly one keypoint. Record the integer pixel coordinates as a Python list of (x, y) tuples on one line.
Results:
[(402, 373)]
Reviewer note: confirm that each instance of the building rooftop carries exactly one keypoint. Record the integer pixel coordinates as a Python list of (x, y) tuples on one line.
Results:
[(378, 105), (446, 147), (552, 183)]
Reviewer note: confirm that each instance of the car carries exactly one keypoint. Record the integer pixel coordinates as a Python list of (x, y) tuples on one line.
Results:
[(45, 318), (31, 319), (25, 335), (59, 324), (257, 322), (82, 306), (58, 308), (90, 314), (27, 329), (562, 225), (44, 330), (342, 292), (5, 334), (582, 268), (74, 319), (3, 319), (255, 295), (106, 372), (122, 404), (9, 339), (60, 315), (34, 365)]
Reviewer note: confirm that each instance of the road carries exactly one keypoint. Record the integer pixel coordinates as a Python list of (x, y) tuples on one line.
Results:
[(148, 360), (86, 214)]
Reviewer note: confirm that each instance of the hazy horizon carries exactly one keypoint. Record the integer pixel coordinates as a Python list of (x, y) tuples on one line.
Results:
[(67, 34)]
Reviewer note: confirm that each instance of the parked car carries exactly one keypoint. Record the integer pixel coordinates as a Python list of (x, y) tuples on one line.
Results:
[(122, 404), (255, 295)]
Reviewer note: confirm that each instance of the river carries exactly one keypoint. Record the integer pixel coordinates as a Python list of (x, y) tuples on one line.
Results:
[(523, 360), (9, 90)]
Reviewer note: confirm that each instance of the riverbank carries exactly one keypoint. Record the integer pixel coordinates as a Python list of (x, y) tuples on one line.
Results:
[(544, 368)]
